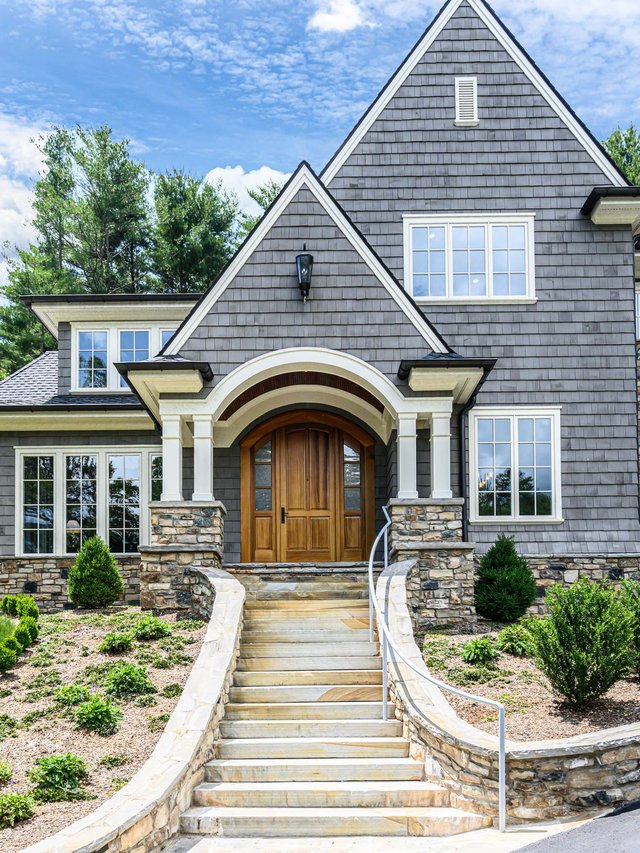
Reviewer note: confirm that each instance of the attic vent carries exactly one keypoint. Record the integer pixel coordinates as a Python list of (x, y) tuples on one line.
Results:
[(466, 101)]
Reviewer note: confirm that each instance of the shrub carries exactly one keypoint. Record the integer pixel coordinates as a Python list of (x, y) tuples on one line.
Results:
[(127, 679), (8, 658), (7, 725), (14, 808), (189, 624), (9, 605), (115, 644), (71, 694), (585, 644), (157, 722), (172, 691), (98, 715), (13, 644), (7, 627), (111, 761), (31, 625), (505, 586), (26, 606), (6, 772), (516, 640), (94, 578), (480, 650), (23, 635), (151, 628), (59, 778), (630, 595)]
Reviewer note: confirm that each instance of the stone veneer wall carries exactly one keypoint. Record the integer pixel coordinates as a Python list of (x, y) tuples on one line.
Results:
[(440, 588), (146, 812), (545, 779), (45, 578), (185, 535)]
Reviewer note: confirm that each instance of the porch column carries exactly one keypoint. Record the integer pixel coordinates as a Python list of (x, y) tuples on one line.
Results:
[(441, 456), (171, 458), (202, 458), (407, 456)]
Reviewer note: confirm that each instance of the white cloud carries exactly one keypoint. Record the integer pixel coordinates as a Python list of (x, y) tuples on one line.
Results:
[(337, 16), (19, 153), (235, 180)]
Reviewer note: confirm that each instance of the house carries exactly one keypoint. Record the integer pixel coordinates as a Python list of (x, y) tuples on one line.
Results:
[(442, 320)]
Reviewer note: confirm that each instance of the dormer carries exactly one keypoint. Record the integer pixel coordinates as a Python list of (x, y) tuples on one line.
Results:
[(96, 331)]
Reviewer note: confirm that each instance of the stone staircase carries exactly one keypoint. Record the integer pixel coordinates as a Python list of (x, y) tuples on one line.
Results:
[(305, 749)]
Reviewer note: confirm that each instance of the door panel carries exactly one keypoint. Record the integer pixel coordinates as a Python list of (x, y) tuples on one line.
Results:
[(307, 482)]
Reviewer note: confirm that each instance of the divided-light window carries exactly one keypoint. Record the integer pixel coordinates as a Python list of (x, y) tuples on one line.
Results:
[(469, 258)]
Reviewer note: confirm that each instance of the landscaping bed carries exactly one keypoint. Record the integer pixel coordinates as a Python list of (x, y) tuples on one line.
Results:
[(534, 711), (36, 723)]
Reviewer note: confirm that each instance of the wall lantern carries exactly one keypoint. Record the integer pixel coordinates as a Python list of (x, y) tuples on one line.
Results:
[(304, 267)]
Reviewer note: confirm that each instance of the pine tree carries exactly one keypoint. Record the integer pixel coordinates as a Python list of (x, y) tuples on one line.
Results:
[(623, 146), (94, 578), (263, 195), (505, 586)]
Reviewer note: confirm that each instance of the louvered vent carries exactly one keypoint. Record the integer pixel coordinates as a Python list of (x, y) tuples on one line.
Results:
[(466, 101)]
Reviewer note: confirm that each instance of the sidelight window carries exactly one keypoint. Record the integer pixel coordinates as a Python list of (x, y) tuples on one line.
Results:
[(352, 471), (263, 474)]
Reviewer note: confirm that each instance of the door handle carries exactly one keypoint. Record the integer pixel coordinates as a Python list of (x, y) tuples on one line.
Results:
[(283, 515)]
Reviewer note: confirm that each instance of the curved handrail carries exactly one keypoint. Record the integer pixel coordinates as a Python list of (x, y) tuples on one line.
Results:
[(387, 642)]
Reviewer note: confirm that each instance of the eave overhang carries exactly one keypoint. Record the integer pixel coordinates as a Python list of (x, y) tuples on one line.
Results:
[(53, 309), (73, 418), (456, 375), (613, 206), (165, 375)]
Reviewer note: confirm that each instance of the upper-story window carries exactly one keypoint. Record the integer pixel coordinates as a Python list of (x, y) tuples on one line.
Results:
[(95, 351), (469, 258)]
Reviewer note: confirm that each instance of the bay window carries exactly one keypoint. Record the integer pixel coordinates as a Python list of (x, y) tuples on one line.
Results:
[(515, 464), (469, 258)]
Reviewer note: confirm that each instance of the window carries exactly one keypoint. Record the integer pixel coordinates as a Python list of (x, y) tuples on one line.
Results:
[(165, 337), (638, 315), (66, 496), (134, 346), (80, 500), (515, 465), (93, 362), (263, 478), (466, 101), (37, 504), (469, 258), (124, 503), (351, 477)]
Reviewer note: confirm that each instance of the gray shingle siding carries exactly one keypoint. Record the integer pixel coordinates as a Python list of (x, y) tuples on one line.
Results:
[(64, 358), (576, 346)]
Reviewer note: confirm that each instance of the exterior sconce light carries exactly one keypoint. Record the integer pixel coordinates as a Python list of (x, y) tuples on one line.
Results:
[(304, 268)]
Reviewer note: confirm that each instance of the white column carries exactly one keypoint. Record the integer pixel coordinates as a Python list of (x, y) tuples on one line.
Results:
[(407, 457), (171, 458), (202, 458), (441, 455)]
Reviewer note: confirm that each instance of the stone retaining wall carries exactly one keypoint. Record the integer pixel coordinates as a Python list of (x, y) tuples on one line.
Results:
[(45, 578), (545, 779), (185, 535), (146, 812)]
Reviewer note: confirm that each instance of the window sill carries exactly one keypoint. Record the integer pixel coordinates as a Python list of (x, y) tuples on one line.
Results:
[(476, 300), (505, 519), (475, 123), (102, 391)]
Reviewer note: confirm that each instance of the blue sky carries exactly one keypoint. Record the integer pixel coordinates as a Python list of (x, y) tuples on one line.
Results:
[(250, 86)]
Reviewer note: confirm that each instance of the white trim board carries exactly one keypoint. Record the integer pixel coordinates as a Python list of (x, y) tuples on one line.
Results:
[(514, 50), (305, 178)]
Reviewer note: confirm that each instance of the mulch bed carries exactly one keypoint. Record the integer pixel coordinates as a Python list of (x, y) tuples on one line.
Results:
[(534, 711), (67, 644)]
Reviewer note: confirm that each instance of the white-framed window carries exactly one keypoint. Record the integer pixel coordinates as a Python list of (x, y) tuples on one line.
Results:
[(638, 315), (95, 350), (469, 258), (466, 101), (515, 472), (67, 495)]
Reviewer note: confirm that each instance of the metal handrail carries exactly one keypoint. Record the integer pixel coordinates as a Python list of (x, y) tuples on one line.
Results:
[(387, 643)]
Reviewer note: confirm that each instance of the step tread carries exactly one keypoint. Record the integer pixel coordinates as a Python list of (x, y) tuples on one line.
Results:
[(286, 812), (306, 678), (349, 786), (310, 762)]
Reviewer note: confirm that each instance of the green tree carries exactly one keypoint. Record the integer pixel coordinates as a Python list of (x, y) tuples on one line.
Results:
[(194, 232), (263, 195), (623, 146)]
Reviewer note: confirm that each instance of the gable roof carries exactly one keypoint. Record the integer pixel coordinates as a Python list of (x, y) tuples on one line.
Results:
[(35, 386), (304, 176), (515, 50)]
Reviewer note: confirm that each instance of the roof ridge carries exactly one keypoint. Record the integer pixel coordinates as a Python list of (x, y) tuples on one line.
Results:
[(29, 364)]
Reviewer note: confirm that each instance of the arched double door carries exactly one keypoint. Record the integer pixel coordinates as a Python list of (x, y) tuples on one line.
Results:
[(307, 490)]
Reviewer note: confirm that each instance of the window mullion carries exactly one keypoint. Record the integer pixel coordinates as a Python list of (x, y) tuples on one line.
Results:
[(449, 260), (515, 478), (102, 499), (489, 261)]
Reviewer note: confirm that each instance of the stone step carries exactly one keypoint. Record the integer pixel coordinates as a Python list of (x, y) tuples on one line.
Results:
[(313, 747), (274, 822), (308, 693), (288, 678), (369, 794), (340, 603), (303, 710), (313, 769), (299, 649), (310, 728), (310, 635), (349, 663), (306, 590)]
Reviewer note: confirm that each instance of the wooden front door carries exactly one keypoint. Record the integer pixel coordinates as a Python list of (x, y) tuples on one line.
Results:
[(307, 490)]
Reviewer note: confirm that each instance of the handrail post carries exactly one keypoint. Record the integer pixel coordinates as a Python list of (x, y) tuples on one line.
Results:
[(385, 680), (502, 771)]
